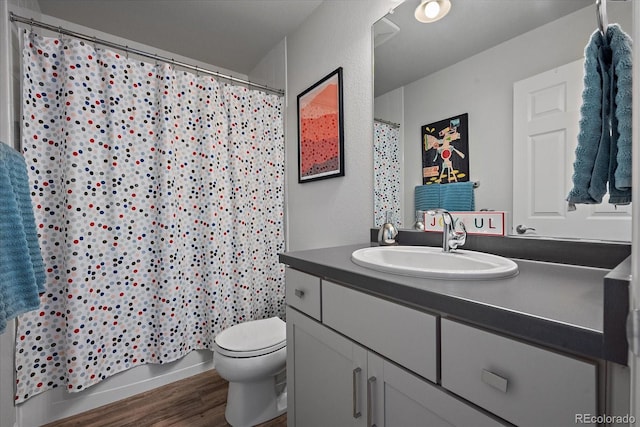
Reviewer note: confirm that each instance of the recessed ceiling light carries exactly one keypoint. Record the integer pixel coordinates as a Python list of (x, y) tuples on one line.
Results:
[(432, 10)]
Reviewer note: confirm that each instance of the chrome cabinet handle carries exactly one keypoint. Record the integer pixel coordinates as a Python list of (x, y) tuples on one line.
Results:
[(370, 384), (495, 381), (521, 229), (356, 374), (299, 293)]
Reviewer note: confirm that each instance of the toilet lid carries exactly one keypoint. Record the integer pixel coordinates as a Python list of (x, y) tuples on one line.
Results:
[(254, 335)]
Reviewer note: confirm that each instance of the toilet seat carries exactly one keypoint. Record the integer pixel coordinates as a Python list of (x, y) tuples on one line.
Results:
[(251, 339)]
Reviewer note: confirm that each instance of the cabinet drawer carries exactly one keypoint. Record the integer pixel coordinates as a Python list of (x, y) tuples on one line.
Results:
[(524, 384), (406, 336), (302, 291)]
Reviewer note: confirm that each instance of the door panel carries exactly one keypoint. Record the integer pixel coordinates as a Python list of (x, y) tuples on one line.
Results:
[(545, 134)]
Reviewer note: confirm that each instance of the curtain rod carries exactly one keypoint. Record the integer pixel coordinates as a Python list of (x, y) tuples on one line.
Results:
[(13, 17), (386, 122)]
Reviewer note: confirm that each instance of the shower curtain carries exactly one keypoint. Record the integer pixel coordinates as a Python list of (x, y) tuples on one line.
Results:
[(386, 165), (159, 197)]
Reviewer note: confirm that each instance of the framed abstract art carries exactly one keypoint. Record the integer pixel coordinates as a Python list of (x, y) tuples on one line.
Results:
[(321, 130), (445, 151)]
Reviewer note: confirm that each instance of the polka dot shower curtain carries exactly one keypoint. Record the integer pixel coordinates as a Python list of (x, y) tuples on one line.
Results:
[(159, 198), (386, 182)]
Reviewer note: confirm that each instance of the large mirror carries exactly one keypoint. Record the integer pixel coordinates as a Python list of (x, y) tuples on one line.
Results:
[(473, 62)]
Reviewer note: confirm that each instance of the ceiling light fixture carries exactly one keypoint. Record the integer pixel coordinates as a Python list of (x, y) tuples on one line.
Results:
[(432, 10)]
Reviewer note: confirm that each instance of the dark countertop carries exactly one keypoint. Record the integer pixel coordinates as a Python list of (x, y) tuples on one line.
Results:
[(556, 305)]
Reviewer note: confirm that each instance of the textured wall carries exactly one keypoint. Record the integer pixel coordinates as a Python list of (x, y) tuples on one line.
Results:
[(339, 210)]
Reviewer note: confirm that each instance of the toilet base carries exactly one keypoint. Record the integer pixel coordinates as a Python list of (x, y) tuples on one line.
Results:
[(255, 402)]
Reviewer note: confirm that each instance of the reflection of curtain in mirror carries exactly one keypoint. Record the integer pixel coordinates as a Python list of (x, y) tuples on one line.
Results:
[(386, 169)]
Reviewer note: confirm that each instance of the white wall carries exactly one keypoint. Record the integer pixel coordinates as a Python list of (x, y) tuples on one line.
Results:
[(483, 87), (390, 106), (339, 210), (271, 70)]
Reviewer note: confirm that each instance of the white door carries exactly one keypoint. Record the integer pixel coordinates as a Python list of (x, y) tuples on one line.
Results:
[(546, 113)]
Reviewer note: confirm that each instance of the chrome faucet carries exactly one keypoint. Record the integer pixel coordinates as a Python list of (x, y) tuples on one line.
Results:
[(451, 238)]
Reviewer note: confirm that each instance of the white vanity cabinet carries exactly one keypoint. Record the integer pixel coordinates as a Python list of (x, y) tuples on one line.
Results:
[(366, 362), (543, 348)]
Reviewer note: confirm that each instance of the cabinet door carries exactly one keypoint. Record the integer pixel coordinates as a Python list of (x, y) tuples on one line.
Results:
[(399, 398), (325, 374)]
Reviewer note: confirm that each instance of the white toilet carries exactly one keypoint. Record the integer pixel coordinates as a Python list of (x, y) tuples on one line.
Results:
[(252, 357)]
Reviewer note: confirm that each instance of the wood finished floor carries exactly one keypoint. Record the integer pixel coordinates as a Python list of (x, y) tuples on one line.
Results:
[(198, 401)]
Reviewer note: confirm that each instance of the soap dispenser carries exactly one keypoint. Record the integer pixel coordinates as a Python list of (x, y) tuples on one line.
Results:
[(388, 232), (419, 224)]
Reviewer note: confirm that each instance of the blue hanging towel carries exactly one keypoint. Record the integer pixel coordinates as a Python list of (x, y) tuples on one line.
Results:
[(22, 275), (457, 196), (603, 154), (622, 111), (427, 197)]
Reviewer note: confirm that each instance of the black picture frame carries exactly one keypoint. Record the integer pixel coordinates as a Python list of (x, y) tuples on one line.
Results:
[(445, 150), (321, 129)]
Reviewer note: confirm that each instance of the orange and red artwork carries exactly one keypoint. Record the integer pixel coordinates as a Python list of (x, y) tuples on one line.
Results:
[(320, 134)]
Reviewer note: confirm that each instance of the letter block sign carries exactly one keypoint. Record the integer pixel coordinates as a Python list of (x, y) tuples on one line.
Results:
[(489, 223)]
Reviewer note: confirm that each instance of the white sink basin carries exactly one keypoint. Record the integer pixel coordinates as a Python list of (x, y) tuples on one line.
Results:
[(433, 263)]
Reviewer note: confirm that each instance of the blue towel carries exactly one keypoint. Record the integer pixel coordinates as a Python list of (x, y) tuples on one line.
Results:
[(455, 196), (427, 197), (622, 63), (22, 275), (603, 154)]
